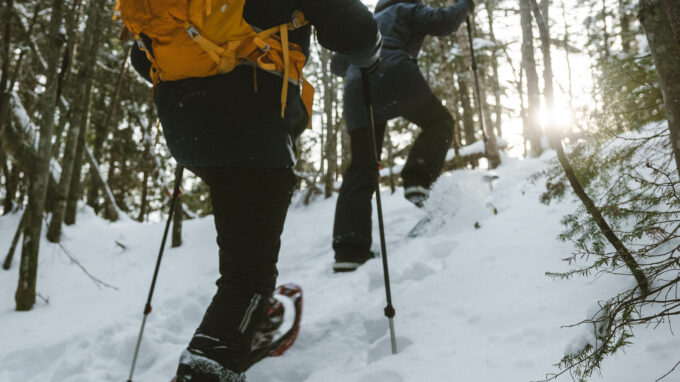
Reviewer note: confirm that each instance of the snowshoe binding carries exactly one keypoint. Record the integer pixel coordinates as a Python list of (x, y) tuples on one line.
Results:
[(281, 325)]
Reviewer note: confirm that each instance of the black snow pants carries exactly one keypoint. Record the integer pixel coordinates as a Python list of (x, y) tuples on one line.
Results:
[(249, 206), (352, 229)]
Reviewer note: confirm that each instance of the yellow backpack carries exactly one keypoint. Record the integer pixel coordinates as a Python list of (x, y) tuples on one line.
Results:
[(200, 38)]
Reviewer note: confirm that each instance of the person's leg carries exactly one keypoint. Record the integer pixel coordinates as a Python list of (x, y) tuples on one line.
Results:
[(352, 228), (250, 207), (427, 155)]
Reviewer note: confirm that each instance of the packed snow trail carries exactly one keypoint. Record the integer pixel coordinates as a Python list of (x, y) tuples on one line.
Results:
[(472, 304)]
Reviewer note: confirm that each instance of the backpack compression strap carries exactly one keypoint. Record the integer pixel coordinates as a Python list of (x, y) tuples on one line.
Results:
[(227, 59)]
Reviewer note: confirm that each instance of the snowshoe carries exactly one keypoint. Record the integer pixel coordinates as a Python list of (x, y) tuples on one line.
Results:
[(281, 325), (273, 337)]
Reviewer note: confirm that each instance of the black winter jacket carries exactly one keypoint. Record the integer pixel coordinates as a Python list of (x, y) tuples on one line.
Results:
[(398, 84), (222, 121), (405, 23)]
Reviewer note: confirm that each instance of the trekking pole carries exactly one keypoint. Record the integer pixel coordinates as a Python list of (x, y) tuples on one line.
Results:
[(389, 309), (147, 307), (477, 87)]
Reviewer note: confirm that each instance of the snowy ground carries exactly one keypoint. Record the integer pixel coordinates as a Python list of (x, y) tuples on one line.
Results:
[(472, 304)]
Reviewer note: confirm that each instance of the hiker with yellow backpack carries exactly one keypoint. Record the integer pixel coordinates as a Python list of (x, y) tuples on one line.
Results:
[(232, 100)]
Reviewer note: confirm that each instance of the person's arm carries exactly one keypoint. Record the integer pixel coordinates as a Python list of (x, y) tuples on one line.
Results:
[(140, 62), (346, 27), (339, 65), (441, 21)]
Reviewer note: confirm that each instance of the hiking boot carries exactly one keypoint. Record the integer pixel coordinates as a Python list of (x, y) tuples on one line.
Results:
[(196, 366), (350, 261), (417, 195)]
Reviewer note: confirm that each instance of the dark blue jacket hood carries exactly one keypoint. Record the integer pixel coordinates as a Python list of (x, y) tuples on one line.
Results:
[(382, 4)]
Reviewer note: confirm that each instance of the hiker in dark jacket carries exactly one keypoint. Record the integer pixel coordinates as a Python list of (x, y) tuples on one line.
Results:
[(399, 90), (232, 135)]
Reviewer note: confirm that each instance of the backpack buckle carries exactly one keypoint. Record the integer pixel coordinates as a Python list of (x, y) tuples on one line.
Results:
[(261, 44), (193, 33), (141, 45), (298, 20)]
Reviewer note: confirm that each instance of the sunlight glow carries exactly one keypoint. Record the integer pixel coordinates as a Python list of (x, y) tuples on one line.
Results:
[(558, 116)]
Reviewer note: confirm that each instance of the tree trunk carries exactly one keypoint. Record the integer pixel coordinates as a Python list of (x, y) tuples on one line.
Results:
[(390, 162), (673, 9), (533, 127), (592, 209), (146, 171), (496, 86), (97, 152), (5, 54), (605, 31), (331, 147), (666, 54), (492, 153), (464, 93), (74, 189), (568, 59), (25, 294), (6, 176), (491, 147), (70, 149), (110, 202), (7, 264), (144, 202), (543, 28), (626, 21), (178, 216), (595, 213), (65, 73), (62, 191), (96, 12), (5, 109), (346, 151), (12, 186)]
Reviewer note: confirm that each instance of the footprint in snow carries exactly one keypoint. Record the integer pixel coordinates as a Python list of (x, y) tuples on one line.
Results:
[(375, 329), (382, 376), (383, 348)]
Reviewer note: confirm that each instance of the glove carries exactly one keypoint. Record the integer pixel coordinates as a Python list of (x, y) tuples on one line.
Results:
[(339, 65), (470, 4), (367, 58)]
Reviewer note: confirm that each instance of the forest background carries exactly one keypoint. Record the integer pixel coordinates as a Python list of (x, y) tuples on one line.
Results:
[(78, 127)]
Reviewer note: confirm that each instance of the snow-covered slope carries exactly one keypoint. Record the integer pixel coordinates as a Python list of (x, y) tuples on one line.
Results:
[(472, 304)]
